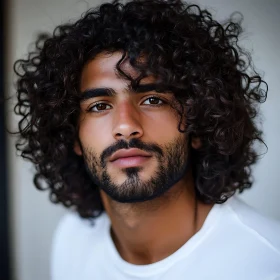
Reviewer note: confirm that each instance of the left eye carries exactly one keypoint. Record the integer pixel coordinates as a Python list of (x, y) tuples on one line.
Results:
[(153, 101)]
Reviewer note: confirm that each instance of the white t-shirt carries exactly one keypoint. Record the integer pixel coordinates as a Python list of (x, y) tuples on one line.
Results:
[(235, 243)]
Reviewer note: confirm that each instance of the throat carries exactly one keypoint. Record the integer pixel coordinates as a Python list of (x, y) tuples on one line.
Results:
[(147, 232), (157, 236), (143, 253)]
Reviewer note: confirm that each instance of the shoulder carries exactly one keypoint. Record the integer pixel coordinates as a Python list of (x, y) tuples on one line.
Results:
[(261, 228), (72, 242), (72, 227), (245, 239)]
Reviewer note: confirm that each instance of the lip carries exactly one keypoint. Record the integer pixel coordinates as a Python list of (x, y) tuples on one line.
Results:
[(126, 154), (126, 162)]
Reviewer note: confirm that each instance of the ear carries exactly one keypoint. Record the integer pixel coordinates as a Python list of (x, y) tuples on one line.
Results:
[(77, 148), (196, 143)]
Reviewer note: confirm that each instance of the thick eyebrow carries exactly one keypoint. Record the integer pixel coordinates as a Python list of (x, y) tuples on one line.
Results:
[(96, 92), (102, 92)]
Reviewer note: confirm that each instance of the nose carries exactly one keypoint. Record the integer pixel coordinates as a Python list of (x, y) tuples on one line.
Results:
[(127, 123)]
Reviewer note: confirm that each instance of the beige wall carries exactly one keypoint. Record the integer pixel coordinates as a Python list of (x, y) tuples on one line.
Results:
[(34, 217)]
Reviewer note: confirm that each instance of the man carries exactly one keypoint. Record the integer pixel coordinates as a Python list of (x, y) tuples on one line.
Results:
[(140, 117)]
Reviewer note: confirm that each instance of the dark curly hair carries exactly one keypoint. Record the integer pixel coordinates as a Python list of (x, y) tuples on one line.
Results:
[(192, 55)]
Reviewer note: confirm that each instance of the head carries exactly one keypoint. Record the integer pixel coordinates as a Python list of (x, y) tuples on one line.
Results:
[(116, 116), (160, 78)]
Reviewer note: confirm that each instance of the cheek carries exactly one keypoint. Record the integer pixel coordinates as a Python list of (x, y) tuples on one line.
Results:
[(95, 134), (162, 128)]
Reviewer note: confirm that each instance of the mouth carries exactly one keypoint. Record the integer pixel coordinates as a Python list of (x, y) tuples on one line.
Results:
[(133, 161), (129, 158)]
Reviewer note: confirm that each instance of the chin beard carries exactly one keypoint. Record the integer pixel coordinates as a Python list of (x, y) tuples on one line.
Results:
[(171, 168)]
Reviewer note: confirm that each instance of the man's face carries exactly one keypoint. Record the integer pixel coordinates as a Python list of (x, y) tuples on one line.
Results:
[(130, 141)]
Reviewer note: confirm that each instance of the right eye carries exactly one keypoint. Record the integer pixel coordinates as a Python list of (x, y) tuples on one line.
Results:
[(99, 108)]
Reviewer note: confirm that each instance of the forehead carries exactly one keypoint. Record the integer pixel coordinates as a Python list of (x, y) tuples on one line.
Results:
[(102, 69)]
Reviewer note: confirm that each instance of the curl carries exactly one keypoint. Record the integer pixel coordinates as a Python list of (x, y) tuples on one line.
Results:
[(192, 55)]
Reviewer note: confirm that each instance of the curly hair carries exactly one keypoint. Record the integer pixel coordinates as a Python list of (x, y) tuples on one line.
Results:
[(194, 56)]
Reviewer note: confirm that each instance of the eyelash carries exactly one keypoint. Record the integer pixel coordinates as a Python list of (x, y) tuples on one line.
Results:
[(154, 105)]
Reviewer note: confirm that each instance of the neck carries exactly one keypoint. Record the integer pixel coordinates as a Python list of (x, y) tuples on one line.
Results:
[(147, 232)]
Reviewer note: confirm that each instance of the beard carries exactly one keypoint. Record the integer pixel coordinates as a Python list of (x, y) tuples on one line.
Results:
[(172, 165)]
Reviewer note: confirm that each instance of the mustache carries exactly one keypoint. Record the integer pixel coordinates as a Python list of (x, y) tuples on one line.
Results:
[(133, 143)]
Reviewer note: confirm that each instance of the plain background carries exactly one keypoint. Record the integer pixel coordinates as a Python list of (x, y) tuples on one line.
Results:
[(33, 218)]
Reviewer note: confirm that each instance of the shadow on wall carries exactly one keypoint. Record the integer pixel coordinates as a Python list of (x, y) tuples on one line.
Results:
[(4, 247)]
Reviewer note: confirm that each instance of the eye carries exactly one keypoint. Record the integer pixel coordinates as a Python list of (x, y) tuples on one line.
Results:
[(153, 101), (99, 107)]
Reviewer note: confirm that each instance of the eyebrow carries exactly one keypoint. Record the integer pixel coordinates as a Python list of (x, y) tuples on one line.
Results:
[(102, 92)]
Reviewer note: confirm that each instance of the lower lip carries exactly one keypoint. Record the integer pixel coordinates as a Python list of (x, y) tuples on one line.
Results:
[(130, 161)]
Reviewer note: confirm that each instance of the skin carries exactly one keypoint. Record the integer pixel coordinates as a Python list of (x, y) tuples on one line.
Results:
[(149, 231)]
